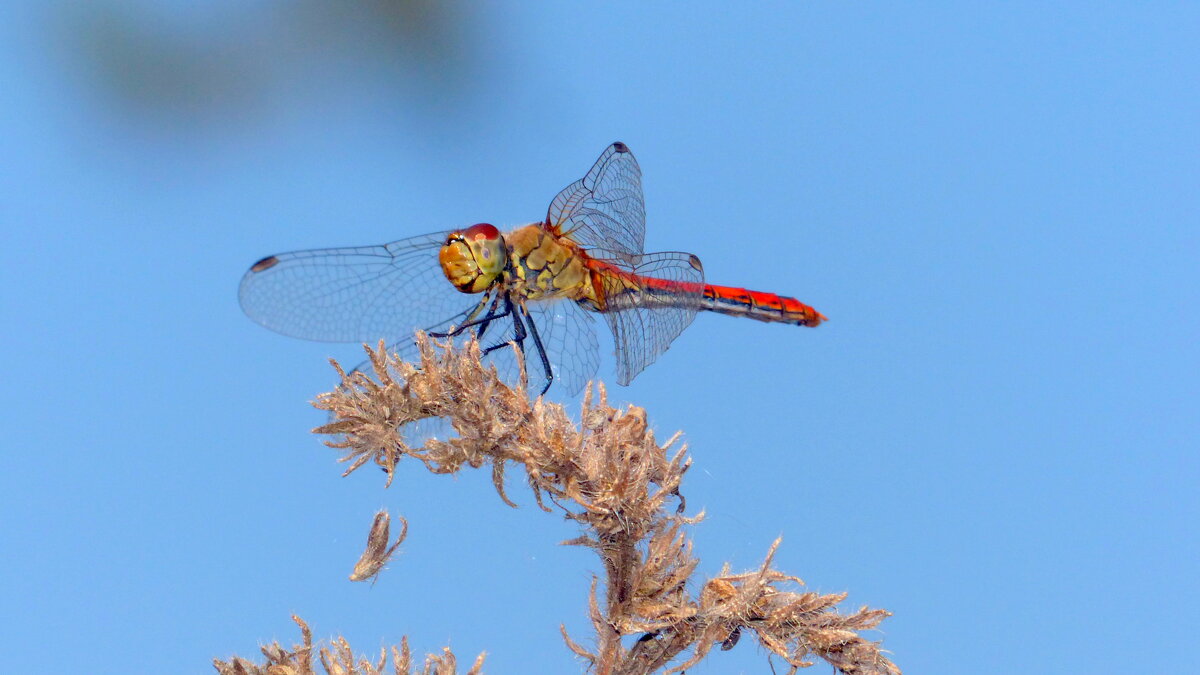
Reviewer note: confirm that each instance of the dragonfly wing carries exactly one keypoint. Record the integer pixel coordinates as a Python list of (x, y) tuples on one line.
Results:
[(354, 294), (605, 208), (646, 316)]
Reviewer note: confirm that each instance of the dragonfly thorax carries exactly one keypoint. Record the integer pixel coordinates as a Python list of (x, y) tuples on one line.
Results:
[(474, 258), (543, 266)]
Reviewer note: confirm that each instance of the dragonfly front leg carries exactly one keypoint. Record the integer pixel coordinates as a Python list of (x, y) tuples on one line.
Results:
[(487, 295), (488, 320), (518, 327), (519, 334), (472, 321)]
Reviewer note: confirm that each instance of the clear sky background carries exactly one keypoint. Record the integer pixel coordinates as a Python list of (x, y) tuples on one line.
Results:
[(995, 437)]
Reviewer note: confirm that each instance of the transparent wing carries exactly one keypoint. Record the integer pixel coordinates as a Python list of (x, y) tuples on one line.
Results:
[(605, 208), (358, 294), (650, 302)]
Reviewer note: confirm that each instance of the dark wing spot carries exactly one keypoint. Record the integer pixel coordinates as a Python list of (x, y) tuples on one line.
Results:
[(695, 263), (264, 264), (620, 147)]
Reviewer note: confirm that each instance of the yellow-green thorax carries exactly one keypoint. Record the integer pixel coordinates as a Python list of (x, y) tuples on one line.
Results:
[(543, 267)]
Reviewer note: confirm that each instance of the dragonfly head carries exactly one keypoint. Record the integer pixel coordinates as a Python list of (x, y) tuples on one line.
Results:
[(473, 258)]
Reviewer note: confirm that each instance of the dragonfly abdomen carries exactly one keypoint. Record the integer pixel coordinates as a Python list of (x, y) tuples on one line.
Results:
[(758, 305)]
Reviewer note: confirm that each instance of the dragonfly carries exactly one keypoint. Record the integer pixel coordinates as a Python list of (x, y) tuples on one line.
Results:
[(537, 286)]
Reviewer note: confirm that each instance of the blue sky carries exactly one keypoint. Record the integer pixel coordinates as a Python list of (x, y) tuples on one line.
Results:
[(995, 436)]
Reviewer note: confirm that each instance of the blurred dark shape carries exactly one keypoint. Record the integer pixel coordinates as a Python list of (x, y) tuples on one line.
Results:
[(187, 63), (143, 64)]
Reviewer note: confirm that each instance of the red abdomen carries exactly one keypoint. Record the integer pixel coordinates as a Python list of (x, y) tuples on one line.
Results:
[(760, 306)]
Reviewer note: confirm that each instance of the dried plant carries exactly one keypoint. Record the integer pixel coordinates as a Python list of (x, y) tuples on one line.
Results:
[(377, 553), (338, 659), (611, 476)]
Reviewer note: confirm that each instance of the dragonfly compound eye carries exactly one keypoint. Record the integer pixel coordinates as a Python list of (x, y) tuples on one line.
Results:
[(474, 258)]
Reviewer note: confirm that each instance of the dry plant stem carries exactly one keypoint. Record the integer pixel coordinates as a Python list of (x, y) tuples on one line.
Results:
[(613, 478), (339, 659)]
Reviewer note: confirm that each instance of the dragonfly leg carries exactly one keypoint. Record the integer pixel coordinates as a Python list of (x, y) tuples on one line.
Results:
[(537, 342), (487, 318), (519, 333), (479, 307)]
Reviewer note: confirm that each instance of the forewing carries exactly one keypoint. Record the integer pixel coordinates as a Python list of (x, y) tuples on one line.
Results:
[(358, 294), (651, 306), (605, 208)]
